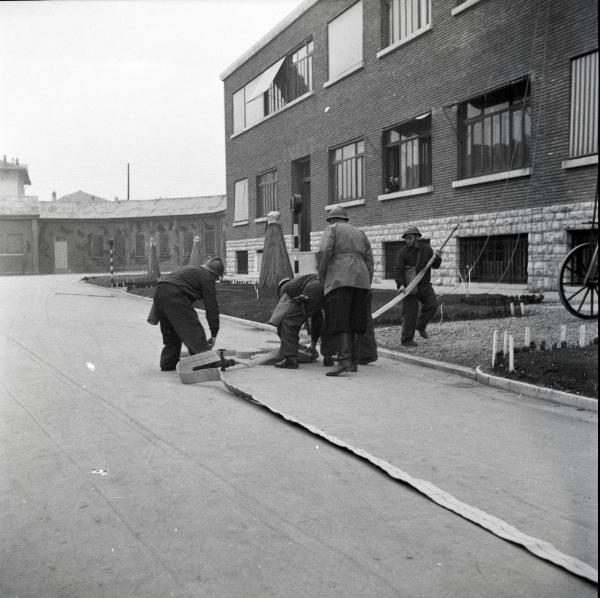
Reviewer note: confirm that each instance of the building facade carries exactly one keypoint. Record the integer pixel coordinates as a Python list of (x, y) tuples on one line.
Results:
[(78, 233), (423, 112)]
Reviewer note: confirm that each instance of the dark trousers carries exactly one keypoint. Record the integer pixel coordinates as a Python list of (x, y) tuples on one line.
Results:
[(347, 310), (415, 319), (289, 329), (178, 324)]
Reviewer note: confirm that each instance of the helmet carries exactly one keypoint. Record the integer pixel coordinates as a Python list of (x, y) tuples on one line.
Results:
[(281, 283), (337, 213), (215, 265), (411, 230)]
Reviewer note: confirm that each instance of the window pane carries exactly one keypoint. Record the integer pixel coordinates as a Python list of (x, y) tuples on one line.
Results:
[(345, 40), (405, 18), (241, 200), (238, 111)]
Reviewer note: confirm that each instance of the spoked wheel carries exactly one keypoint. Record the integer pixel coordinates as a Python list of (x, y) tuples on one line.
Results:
[(578, 283)]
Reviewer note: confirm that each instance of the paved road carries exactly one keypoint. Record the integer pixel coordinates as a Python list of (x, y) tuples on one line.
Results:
[(118, 481)]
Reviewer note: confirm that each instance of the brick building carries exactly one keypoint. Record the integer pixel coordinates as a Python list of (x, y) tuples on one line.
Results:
[(425, 112)]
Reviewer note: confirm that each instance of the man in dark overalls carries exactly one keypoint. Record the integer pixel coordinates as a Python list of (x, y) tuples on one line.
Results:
[(173, 306), (306, 302)]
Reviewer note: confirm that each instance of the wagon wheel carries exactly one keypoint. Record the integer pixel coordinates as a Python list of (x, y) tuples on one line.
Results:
[(578, 281)]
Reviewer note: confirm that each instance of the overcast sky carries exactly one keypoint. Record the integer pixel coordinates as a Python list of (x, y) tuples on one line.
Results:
[(89, 86)]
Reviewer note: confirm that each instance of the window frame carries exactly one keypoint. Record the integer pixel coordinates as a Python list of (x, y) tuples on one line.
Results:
[(393, 152), (496, 104), (394, 30), (240, 204), (263, 185), (583, 119), (338, 73), (339, 166), (247, 113)]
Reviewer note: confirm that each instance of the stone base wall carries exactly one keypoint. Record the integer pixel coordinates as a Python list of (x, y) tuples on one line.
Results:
[(546, 227)]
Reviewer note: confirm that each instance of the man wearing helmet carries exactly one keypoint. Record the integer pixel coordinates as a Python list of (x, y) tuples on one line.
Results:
[(413, 257), (345, 266), (173, 306)]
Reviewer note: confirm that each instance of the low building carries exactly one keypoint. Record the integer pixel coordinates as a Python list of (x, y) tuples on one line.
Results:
[(421, 112)]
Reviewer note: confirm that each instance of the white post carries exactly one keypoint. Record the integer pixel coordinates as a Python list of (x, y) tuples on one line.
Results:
[(505, 344), (512, 309), (582, 335), (522, 305), (494, 347), (563, 333), (511, 353), (527, 336)]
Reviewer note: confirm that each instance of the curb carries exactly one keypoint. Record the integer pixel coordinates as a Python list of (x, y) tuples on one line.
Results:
[(477, 374), (537, 392)]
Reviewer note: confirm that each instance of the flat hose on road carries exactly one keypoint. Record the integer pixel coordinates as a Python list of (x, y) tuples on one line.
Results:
[(496, 526)]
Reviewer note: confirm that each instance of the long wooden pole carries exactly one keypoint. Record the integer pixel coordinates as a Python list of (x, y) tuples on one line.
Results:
[(416, 280)]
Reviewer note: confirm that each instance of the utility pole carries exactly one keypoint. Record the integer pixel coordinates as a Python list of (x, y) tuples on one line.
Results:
[(127, 180)]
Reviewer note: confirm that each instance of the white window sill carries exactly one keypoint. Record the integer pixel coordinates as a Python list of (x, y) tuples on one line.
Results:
[(261, 219), (292, 103), (240, 223), (405, 193), (461, 7), (346, 204), (344, 74), (577, 162), (490, 178), (403, 41)]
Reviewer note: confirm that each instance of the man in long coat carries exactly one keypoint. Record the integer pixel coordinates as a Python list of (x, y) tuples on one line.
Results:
[(413, 257), (345, 266)]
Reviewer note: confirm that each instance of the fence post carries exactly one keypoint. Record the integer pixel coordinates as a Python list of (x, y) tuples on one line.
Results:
[(582, 335), (505, 344), (527, 336), (511, 353), (494, 347), (563, 334), (112, 265)]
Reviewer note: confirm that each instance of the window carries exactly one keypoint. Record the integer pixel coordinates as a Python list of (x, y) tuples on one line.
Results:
[(12, 244), (267, 199), (210, 240), (495, 131), (407, 154), (163, 245), (500, 258), (391, 251), (188, 243), (283, 82), (405, 19), (584, 106), (347, 176), (345, 41), (140, 245), (240, 210), (241, 262), (96, 246)]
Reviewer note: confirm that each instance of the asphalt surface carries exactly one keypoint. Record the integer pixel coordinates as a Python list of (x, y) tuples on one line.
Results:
[(119, 481)]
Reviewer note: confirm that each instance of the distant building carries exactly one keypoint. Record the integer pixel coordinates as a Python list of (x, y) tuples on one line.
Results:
[(422, 112), (75, 232), (19, 215)]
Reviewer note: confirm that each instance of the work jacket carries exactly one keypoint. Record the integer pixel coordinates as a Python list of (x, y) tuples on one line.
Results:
[(308, 285), (344, 258), (417, 257), (197, 282)]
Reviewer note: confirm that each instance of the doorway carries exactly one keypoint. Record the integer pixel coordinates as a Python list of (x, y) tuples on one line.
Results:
[(61, 262), (301, 185)]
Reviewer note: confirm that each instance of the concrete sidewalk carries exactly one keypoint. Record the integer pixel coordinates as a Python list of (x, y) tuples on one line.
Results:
[(119, 481)]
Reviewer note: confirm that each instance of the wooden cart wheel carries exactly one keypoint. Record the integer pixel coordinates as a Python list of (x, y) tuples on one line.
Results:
[(578, 281)]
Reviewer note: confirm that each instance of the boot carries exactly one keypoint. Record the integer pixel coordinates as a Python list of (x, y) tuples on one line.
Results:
[(328, 361), (344, 347), (288, 363), (354, 352)]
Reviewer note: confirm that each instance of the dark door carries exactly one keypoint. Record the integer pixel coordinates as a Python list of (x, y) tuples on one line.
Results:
[(302, 186)]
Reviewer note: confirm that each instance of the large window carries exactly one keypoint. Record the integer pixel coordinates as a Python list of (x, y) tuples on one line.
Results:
[(495, 131), (405, 19), (499, 258), (96, 246), (12, 244), (347, 173), (267, 197), (240, 210), (241, 262), (345, 42), (283, 82), (163, 245), (407, 152), (140, 245), (584, 106), (188, 244)]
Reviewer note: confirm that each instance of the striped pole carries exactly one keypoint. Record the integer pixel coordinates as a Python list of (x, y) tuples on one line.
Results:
[(296, 205), (112, 263)]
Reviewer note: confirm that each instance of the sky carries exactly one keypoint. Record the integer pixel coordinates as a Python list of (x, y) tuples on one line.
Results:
[(87, 87)]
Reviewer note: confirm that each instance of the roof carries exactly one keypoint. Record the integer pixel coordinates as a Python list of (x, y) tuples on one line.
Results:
[(68, 207), (80, 196), (5, 165), (19, 206), (270, 36)]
